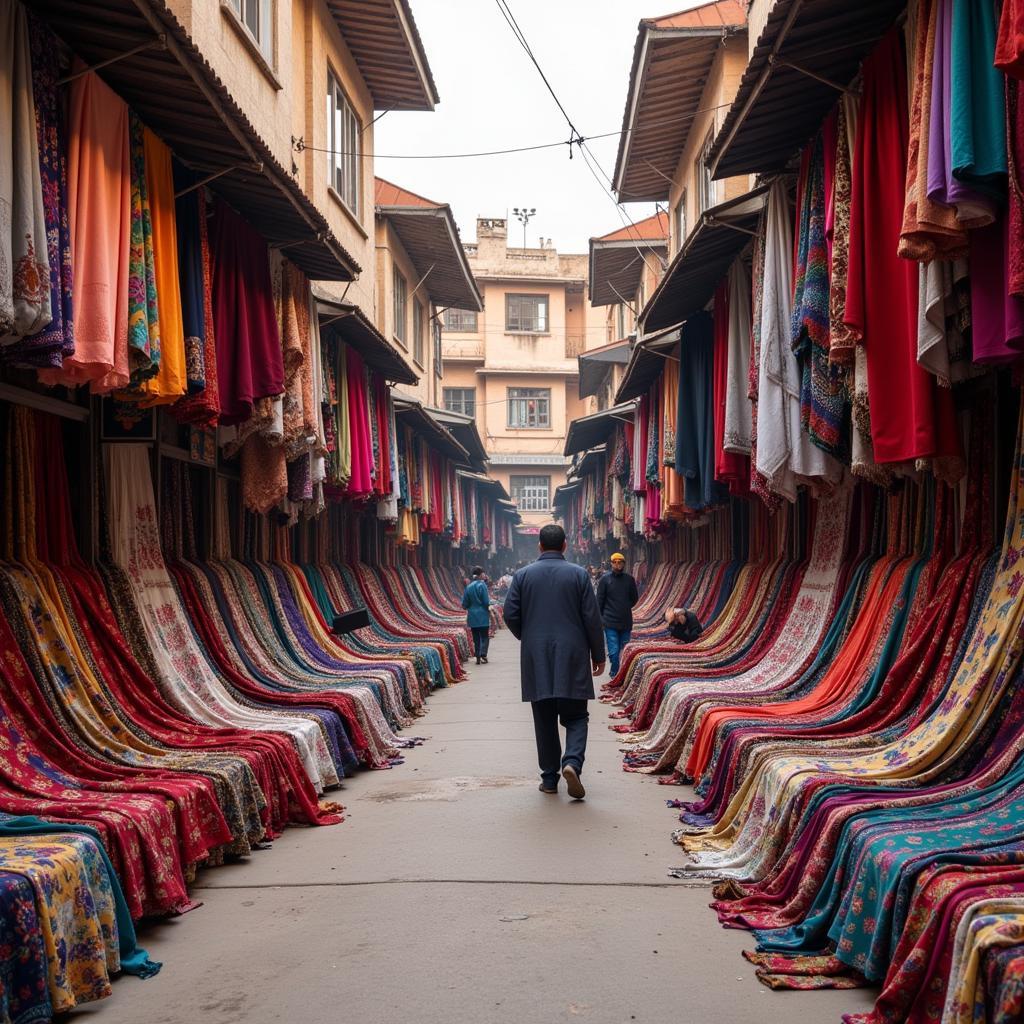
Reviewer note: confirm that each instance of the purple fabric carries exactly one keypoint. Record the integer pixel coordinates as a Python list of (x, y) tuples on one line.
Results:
[(997, 329)]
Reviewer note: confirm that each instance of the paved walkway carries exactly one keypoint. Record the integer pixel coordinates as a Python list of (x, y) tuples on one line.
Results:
[(455, 893)]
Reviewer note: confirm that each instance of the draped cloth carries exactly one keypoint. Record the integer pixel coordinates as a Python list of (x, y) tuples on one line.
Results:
[(1015, 148), (49, 346), (997, 329), (737, 427), (785, 453), (249, 360), (911, 418), (731, 468), (1010, 40), (938, 332), (143, 305), (24, 252), (99, 201)]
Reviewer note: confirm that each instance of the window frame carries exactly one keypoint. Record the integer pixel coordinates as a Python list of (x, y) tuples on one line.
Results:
[(681, 226), (706, 187), (530, 482), (457, 324), (343, 141), (447, 395), (419, 352), (400, 307), (517, 297), (542, 414)]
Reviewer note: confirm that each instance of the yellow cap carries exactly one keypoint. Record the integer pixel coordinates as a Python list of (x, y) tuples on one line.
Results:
[(618, 557)]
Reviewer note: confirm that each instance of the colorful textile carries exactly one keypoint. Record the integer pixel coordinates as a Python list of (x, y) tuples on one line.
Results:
[(143, 308), (1009, 55)]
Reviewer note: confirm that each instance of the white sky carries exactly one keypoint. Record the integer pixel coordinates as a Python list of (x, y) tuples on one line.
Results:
[(493, 98)]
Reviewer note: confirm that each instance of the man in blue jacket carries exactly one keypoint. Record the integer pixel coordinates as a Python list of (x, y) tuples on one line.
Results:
[(616, 596), (476, 599), (552, 610)]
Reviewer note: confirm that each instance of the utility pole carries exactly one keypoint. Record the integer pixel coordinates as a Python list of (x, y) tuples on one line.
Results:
[(523, 215)]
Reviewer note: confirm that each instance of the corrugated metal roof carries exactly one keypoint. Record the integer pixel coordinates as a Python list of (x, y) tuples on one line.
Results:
[(617, 259), (778, 108), (590, 431), (596, 364), (646, 364), (716, 240), (671, 62), (386, 45), (353, 327), (176, 92)]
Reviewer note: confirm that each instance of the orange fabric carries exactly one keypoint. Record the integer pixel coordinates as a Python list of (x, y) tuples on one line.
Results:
[(99, 207), (169, 383)]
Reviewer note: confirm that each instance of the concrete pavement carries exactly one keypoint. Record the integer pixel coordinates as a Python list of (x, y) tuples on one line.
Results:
[(456, 893)]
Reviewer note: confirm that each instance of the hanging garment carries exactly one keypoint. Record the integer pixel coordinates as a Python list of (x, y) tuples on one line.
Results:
[(911, 418), (977, 125), (997, 325), (973, 208), (730, 468), (249, 361), (49, 346), (785, 453), (99, 204), (1010, 41), (143, 307), (842, 343), (938, 330), (1015, 147), (930, 229), (360, 482), (736, 434), (24, 251)]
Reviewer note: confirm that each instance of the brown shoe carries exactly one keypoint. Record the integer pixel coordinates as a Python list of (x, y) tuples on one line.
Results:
[(572, 781), (544, 789)]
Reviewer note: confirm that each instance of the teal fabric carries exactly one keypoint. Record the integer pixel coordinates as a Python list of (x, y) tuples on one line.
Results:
[(977, 121), (476, 600), (134, 959)]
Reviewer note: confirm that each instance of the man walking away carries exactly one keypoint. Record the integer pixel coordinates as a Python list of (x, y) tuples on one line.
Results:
[(477, 601), (616, 596), (551, 609)]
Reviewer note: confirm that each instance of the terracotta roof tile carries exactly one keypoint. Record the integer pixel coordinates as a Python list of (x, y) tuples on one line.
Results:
[(652, 228), (720, 12), (387, 194)]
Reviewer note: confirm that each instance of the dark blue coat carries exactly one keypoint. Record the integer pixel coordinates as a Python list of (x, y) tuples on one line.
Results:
[(551, 608)]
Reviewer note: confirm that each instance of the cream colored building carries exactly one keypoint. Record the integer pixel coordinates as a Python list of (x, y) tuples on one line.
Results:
[(514, 365)]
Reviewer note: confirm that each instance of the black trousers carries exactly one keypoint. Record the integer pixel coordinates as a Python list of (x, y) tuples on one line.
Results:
[(574, 717), (481, 641)]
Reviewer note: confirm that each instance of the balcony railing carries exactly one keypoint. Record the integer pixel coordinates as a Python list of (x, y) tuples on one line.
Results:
[(575, 344), (454, 347)]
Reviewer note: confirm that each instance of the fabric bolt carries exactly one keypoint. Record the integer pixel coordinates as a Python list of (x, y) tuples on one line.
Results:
[(911, 418), (48, 346), (99, 205), (248, 344), (24, 246)]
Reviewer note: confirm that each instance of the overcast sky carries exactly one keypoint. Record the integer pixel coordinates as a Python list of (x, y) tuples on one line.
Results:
[(493, 98)]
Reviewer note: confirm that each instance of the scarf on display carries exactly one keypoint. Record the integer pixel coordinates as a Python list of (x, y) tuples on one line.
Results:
[(51, 344), (736, 430), (25, 295)]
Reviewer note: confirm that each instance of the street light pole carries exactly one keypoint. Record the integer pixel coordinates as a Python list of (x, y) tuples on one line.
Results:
[(523, 215)]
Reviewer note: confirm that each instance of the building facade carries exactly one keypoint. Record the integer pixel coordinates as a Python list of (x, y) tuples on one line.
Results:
[(513, 366)]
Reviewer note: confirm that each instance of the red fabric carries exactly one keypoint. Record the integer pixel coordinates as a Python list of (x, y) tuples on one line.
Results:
[(911, 416), (1010, 40), (731, 468), (1015, 148), (250, 363)]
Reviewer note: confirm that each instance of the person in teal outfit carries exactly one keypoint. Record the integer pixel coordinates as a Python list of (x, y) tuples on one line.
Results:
[(477, 602)]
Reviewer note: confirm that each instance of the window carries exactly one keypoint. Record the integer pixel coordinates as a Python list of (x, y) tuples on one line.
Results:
[(526, 313), (531, 493), (401, 300), (460, 400), (706, 192), (460, 320), (435, 330), (681, 221), (529, 408), (417, 332), (345, 138), (258, 18), (620, 321)]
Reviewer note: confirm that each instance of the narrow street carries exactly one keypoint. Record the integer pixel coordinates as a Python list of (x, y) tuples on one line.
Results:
[(455, 893)]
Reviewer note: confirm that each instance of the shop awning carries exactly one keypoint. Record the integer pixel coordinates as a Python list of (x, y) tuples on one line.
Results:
[(382, 36), (172, 88), (594, 429), (595, 364), (351, 325), (647, 363), (672, 59), (617, 260), (430, 236), (489, 483), (808, 52), (563, 493), (588, 462), (710, 249), (424, 425), (466, 433)]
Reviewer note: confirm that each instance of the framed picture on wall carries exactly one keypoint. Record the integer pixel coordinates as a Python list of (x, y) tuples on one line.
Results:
[(126, 421)]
